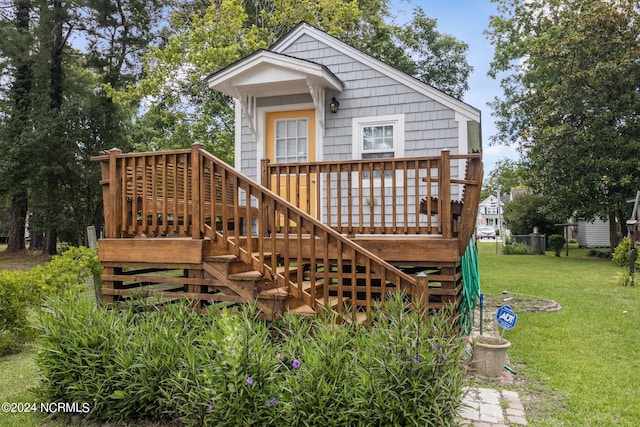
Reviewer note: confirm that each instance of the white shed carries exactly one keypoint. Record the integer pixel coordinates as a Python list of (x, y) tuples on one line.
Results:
[(594, 234)]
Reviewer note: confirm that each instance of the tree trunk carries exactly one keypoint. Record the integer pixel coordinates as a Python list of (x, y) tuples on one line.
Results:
[(36, 241), (20, 92), (614, 234), (50, 242), (18, 214)]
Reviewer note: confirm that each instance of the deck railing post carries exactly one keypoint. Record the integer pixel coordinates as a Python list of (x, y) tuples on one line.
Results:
[(196, 199), (265, 181), (444, 194), (113, 208)]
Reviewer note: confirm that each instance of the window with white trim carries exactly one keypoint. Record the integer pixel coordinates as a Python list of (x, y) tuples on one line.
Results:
[(378, 137)]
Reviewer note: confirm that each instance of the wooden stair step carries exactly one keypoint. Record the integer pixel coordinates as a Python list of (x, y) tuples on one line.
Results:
[(257, 254), (307, 285), (281, 269), (304, 310), (334, 301), (276, 293), (221, 258), (246, 275)]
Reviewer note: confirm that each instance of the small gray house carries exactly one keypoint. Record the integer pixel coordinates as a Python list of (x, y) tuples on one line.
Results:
[(351, 178), (314, 98)]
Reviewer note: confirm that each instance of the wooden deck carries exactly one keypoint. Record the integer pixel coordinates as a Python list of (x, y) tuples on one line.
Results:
[(183, 224)]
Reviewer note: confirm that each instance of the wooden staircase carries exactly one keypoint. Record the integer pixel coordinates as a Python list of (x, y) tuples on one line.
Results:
[(211, 234)]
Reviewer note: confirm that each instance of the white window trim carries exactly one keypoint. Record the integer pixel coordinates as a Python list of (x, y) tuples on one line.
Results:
[(396, 120)]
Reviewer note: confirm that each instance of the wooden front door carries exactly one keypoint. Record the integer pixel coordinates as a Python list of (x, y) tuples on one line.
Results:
[(291, 139)]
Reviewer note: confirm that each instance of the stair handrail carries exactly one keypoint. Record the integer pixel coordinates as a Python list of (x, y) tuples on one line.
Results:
[(291, 213)]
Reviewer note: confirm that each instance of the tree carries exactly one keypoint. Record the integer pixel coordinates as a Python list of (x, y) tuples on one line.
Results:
[(506, 175), (51, 130), (527, 211), (206, 36), (16, 47), (571, 100)]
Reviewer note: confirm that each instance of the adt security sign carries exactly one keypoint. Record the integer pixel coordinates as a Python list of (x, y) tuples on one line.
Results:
[(506, 317)]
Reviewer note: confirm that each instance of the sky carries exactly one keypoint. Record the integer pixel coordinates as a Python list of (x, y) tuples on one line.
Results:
[(466, 20)]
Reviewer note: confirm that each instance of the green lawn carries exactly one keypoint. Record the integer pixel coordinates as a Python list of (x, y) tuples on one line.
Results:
[(585, 356)]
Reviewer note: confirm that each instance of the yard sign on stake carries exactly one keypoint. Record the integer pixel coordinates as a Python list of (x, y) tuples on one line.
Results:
[(507, 318)]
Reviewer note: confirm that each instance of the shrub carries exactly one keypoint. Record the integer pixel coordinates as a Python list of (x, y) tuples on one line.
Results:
[(598, 254), (229, 369), (22, 291), (625, 278), (517, 248), (622, 253), (556, 242)]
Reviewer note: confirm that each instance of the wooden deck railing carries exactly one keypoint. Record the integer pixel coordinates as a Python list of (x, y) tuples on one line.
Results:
[(377, 196), (192, 193)]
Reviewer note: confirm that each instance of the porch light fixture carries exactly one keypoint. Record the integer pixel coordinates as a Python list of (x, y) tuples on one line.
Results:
[(334, 105)]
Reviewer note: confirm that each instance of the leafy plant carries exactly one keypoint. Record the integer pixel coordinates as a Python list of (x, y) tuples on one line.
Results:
[(22, 291), (229, 368), (556, 242), (622, 253), (624, 278), (518, 248)]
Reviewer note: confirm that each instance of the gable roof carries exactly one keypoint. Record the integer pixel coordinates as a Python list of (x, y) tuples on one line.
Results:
[(304, 28), (265, 72)]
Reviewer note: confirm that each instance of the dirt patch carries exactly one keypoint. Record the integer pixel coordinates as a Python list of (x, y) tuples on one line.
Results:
[(521, 302), (22, 260)]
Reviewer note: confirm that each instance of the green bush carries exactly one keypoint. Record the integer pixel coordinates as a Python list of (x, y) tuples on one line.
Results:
[(622, 253), (22, 291), (229, 369), (556, 242), (517, 248)]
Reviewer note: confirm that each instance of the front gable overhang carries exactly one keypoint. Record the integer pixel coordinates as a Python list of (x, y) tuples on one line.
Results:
[(265, 73)]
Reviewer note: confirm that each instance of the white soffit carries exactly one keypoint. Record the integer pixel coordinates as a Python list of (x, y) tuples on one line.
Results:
[(266, 73)]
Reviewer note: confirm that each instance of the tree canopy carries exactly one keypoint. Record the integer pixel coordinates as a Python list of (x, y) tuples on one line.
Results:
[(570, 100), (208, 36)]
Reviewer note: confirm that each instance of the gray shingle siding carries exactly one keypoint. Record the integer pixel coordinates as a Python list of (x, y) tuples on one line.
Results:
[(429, 126)]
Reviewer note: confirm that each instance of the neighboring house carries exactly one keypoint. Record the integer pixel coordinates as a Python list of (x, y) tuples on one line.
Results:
[(488, 212), (593, 234), (285, 96)]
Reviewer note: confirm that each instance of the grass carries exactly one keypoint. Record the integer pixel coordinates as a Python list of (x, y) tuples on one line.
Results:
[(19, 375), (586, 353)]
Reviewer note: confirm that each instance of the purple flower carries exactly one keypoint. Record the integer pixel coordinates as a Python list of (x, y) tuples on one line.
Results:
[(249, 380), (296, 364), (437, 347), (210, 407), (272, 402), (417, 358), (444, 357)]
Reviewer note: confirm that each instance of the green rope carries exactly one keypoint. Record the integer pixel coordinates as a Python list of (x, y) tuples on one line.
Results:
[(470, 287)]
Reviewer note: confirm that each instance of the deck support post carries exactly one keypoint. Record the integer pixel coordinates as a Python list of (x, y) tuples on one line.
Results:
[(196, 197), (421, 296)]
